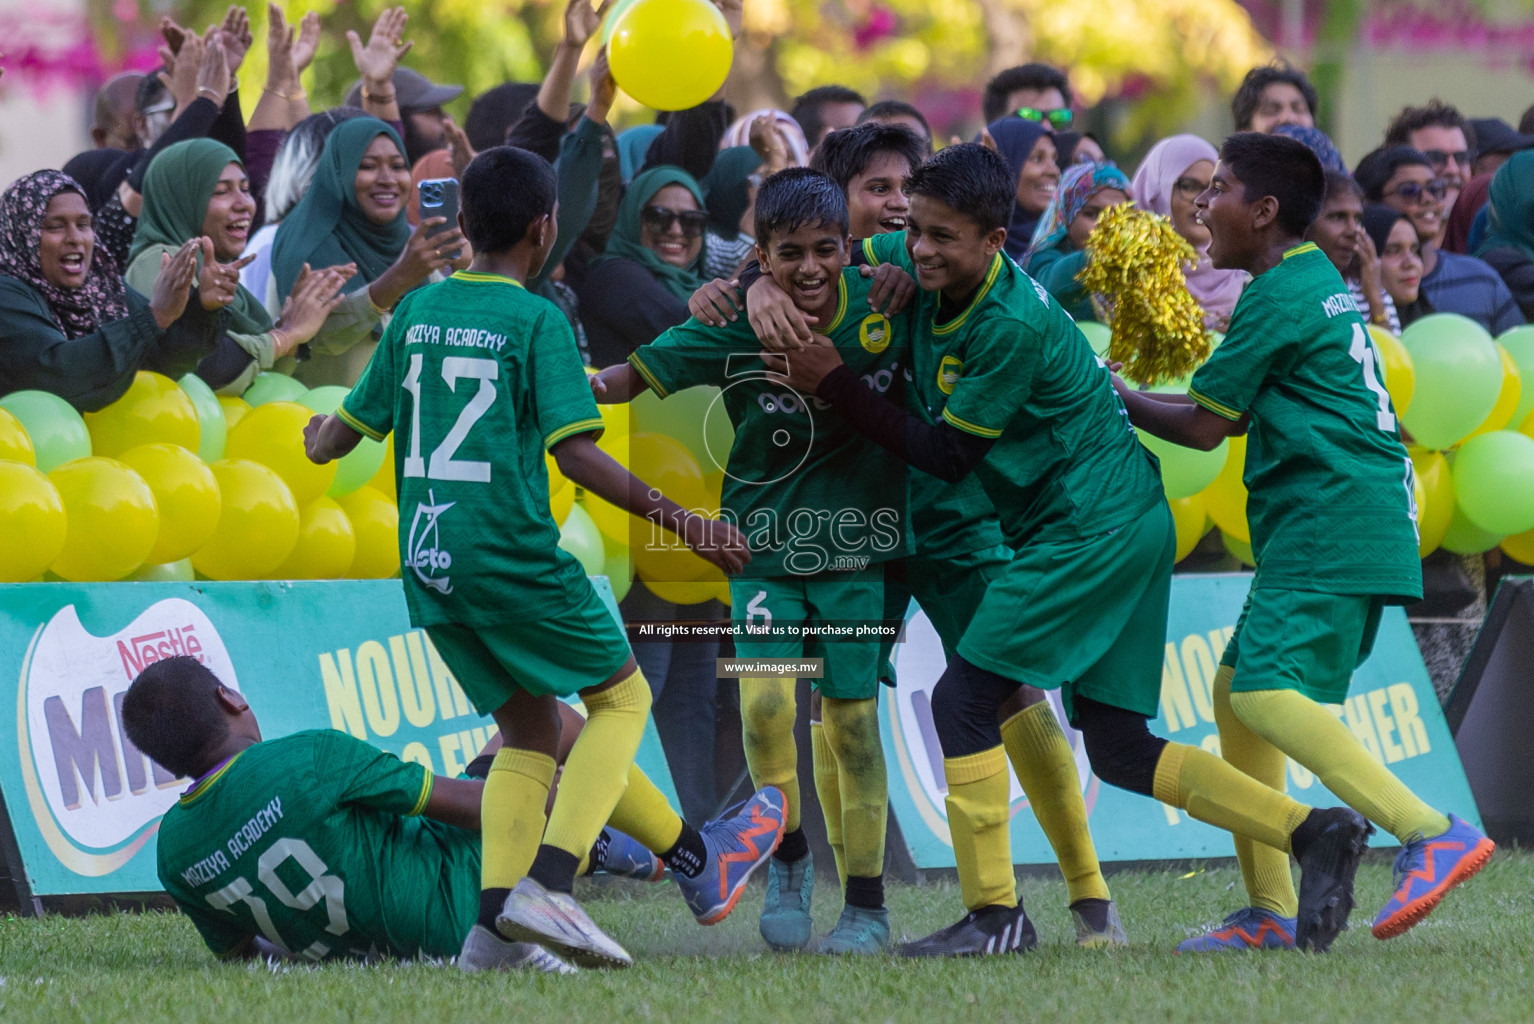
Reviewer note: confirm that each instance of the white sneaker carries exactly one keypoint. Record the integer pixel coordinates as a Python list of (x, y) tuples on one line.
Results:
[(553, 919), (484, 950)]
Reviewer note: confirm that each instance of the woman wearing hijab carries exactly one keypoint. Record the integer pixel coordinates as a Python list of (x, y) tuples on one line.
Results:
[(729, 194), (1318, 142), (1171, 176), (199, 187), (1058, 252), (68, 325), (1400, 256), (354, 213), (1461, 234), (1509, 242), (639, 287), (1030, 155)]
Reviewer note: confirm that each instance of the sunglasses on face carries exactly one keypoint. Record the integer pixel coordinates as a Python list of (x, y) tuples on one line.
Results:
[(1415, 192), (660, 219), (1059, 118), (1440, 159)]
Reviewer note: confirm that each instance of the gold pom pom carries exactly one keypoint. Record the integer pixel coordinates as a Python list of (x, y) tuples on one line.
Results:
[(1135, 270)]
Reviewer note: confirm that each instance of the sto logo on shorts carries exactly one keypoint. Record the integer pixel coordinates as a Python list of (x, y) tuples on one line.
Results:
[(96, 798)]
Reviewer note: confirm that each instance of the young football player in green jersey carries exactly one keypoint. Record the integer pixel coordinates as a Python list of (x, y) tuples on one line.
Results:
[(1082, 605), (394, 850), (823, 510), (478, 378), (1334, 532), (959, 548)]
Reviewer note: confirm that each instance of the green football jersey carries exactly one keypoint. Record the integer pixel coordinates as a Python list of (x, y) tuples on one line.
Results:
[(477, 377), (947, 519), (1013, 367), (810, 494), (311, 841), (1332, 503)]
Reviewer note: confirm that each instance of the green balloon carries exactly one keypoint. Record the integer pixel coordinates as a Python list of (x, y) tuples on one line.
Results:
[(1494, 482), (57, 431), (273, 387), (1465, 538), (619, 570), (169, 572), (581, 538), (1519, 343), (357, 466), (1098, 336), (694, 417), (210, 417), (1185, 471), (1239, 549), (1459, 376)]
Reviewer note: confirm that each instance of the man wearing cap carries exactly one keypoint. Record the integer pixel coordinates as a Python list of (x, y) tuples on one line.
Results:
[(1495, 141), (420, 106)]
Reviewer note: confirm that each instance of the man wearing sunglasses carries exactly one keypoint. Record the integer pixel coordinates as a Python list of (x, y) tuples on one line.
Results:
[(1036, 92), (1405, 179), (1441, 134)]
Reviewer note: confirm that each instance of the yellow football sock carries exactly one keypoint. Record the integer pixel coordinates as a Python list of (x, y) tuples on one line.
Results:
[(767, 712), (1214, 792), (1315, 738), (1269, 885), (828, 786), (1042, 758), (597, 768), (644, 813), (979, 822), (852, 727), (511, 815)]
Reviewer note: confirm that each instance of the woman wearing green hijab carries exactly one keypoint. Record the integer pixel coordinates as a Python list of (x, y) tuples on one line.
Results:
[(199, 188), (1509, 242), (354, 214), (639, 287)]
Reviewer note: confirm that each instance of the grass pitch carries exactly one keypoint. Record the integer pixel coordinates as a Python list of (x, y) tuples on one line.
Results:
[(1473, 959)]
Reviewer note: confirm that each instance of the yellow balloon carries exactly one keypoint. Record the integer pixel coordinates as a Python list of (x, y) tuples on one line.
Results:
[(273, 435), (1507, 398), (1435, 500), (234, 409), (33, 524), (722, 592), (1188, 515), (560, 504), (113, 521), (713, 488), (375, 521), (185, 492), (15, 445), (153, 409), (257, 528), (557, 480), (1520, 547), (326, 544), (681, 593), (670, 54), (383, 480), (1399, 373), (1241, 549), (1226, 497)]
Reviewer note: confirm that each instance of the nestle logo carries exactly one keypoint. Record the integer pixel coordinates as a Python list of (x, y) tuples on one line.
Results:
[(174, 642)]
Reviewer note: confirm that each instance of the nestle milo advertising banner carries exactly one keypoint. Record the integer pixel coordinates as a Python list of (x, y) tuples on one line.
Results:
[(85, 804), (1391, 708)]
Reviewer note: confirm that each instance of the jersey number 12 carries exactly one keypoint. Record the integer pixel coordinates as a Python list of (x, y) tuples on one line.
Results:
[(443, 466)]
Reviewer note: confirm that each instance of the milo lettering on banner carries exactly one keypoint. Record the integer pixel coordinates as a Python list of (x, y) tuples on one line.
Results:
[(1391, 708), (85, 804)]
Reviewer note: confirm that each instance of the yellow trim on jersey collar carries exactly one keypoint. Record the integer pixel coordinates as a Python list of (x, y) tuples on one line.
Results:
[(1302, 248), (477, 276), (958, 321), (841, 307), (196, 793)]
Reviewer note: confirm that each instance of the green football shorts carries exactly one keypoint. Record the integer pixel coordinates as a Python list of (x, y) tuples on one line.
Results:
[(851, 664), (1302, 640), (558, 656), (1086, 616)]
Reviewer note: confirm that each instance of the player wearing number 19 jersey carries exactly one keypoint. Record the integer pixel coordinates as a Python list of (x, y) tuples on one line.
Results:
[(1333, 521)]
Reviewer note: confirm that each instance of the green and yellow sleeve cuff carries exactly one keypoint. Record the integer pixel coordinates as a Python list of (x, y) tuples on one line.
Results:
[(570, 429), (1219, 409), (970, 428), (649, 376), (420, 804), (358, 425)]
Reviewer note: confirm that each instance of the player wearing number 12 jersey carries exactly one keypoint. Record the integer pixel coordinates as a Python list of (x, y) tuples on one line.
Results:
[(1333, 522), (477, 378)]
